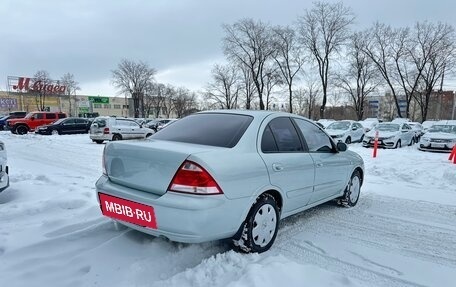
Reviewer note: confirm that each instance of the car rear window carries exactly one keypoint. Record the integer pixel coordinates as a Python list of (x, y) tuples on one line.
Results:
[(100, 122), (222, 130)]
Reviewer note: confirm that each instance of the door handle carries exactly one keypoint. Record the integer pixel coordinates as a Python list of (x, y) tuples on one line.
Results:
[(319, 164), (277, 167)]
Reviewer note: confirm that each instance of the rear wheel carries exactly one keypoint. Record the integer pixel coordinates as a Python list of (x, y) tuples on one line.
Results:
[(258, 232), (21, 130), (348, 140), (351, 193), (98, 141), (116, 137)]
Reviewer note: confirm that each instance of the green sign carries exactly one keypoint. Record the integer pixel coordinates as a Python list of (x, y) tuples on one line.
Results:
[(99, 100), (83, 110)]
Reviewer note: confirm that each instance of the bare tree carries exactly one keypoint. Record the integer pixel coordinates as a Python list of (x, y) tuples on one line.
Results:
[(183, 101), (40, 97), (324, 30), (169, 94), (307, 97), (72, 86), (247, 91), (272, 79), (248, 43), (437, 53), (360, 78), (225, 86), (132, 78), (288, 57)]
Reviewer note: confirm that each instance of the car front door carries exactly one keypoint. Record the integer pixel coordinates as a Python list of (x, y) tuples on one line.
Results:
[(330, 166), (406, 134), (68, 126), (290, 167)]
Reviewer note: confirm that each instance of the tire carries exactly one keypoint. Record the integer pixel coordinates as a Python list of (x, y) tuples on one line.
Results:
[(55, 132), (352, 191), (259, 230), (98, 141), (21, 130), (348, 140), (398, 144), (116, 137), (361, 139), (148, 135)]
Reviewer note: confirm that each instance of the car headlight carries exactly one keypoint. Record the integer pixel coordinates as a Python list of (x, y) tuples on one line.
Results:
[(425, 139), (388, 138), (338, 136)]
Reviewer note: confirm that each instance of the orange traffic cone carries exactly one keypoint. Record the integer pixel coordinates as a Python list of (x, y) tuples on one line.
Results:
[(453, 154)]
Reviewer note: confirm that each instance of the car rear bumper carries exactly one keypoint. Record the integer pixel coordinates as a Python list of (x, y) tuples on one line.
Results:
[(182, 217), (104, 137)]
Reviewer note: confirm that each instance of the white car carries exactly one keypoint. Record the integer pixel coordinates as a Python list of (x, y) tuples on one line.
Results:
[(440, 137), (346, 131), (369, 123), (114, 129), (428, 124), (390, 135), (418, 129), (325, 122), (4, 177)]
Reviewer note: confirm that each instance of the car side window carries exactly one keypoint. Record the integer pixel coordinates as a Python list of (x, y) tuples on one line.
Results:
[(61, 116), (316, 139), (285, 135), (268, 143), (38, 116), (51, 116), (69, 122)]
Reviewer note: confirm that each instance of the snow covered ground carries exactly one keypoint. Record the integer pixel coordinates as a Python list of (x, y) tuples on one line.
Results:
[(401, 233)]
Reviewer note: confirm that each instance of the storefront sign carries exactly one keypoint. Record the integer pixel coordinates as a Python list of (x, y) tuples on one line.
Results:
[(23, 84), (99, 100), (8, 103)]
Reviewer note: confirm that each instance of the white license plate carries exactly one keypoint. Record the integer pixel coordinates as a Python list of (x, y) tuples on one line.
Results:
[(438, 145)]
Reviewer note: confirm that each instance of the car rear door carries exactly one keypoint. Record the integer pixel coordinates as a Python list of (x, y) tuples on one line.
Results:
[(331, 170), (290, 167)]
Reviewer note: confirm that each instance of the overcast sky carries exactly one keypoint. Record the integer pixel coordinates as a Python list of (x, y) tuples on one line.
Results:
[(181, 39)]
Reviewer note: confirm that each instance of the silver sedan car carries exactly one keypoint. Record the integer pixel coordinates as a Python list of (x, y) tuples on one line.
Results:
[(226, 174)]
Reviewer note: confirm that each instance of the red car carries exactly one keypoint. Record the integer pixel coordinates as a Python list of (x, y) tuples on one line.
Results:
[(33, 120)]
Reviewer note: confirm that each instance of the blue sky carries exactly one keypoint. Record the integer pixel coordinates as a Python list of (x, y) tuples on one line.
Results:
[(181, 39)]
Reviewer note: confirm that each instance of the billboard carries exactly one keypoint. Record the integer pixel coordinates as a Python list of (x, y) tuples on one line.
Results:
[(8, 103), (27, 85)]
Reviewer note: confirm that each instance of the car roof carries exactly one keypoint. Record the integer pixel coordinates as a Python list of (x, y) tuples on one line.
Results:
[(446, 122)]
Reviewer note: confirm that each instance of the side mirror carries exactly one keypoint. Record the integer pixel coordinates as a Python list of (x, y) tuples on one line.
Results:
[(341, 146)]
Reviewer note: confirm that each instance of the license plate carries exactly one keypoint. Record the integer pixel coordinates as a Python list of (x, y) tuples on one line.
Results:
[(129, 211), (438, 145)]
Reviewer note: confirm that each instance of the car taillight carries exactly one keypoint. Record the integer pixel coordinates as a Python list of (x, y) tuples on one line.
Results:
[(192, 178), (103, 163), (106, 131)]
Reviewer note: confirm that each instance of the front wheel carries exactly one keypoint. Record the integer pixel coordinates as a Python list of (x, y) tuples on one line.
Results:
[(21, 130), (398, 144), (348, 140), (259, 230), (55, 132), (352, 191)]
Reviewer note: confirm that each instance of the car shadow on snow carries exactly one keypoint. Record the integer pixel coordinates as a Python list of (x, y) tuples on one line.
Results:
[(8, 195)]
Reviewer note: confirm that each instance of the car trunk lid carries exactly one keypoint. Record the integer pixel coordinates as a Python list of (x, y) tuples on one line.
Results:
[(147, 165)]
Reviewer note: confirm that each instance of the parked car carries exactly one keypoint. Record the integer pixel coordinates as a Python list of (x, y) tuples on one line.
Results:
[(113, 128), (12, 115), (428, 124), (226, 174), (155, 124), (400, 120), (326, 122), (390, 135), (369, 124), (346, 131), (65, 126), (4, 176), (160, 127), (33, 120), (418, 129), (440, 137)]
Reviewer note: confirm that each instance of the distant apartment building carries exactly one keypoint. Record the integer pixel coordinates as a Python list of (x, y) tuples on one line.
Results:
[(441, 106)]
